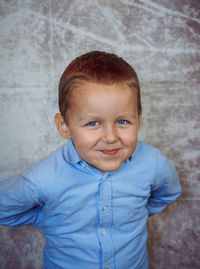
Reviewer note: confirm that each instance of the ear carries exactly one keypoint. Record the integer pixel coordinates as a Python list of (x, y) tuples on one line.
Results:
[(139, 118), (62, 126)]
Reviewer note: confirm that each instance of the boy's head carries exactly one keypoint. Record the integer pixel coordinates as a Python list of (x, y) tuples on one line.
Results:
[(99, 100)]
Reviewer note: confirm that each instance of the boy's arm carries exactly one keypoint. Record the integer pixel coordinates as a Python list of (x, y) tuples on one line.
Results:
[(165, 189), (19, 202)]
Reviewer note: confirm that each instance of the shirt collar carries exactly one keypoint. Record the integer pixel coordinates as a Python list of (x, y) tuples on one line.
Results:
[(71, 153), (72, 156)]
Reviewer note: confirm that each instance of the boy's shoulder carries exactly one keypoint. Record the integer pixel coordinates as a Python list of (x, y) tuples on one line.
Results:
[(56, 157), (148, 156), (151, 157), (144, 149), (50, 166)]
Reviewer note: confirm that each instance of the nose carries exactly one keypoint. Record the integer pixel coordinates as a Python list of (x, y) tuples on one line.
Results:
[(109, 135)]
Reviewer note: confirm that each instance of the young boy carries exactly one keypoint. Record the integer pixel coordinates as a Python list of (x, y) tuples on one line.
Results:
[(92, 197)]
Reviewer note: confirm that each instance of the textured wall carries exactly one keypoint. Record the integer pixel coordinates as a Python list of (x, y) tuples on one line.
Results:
[(161, 39)]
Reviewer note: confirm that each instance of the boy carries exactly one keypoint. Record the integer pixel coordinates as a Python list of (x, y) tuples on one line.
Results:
[(92, 196)]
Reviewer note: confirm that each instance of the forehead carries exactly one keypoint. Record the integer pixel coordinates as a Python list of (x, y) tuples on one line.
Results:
[(89, 88), (91, 95)]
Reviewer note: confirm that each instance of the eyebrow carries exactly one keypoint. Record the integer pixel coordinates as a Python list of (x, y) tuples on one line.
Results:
[(97, 117), (128, 114), (89, 118)]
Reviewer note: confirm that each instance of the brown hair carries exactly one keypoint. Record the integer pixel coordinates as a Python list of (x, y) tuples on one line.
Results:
[(98, 67)]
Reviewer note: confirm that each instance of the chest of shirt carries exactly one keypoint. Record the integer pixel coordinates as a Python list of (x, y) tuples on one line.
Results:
[(83, 201)]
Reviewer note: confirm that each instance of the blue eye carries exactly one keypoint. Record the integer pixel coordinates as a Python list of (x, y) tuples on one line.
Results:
[(93, 123), (122, 122)]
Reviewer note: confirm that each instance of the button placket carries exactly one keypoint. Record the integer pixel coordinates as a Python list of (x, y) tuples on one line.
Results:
[(105, 221)]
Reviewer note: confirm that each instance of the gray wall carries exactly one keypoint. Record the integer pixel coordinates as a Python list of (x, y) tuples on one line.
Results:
[(161, 40)]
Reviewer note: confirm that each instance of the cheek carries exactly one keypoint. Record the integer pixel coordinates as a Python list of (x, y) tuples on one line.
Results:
[(85, 140), (130, 139)]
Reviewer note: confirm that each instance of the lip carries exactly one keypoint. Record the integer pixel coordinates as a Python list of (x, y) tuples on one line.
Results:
[(110, 152)]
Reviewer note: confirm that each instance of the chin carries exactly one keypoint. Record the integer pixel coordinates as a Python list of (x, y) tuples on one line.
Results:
[(110, 169)]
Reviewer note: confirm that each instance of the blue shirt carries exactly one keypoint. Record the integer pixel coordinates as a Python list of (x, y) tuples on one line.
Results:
[(91, 219)]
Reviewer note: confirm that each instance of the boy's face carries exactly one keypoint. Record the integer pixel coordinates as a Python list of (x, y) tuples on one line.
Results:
[(103, 124)]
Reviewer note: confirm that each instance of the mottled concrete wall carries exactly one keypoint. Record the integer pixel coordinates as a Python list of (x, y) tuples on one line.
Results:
[(161, 39)]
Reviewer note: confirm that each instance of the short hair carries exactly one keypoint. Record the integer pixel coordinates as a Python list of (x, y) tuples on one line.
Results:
[(99, 67)]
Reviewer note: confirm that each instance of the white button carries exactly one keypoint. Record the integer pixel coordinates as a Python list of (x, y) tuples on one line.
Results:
[(104, 207), (107, 266), (104, 232)]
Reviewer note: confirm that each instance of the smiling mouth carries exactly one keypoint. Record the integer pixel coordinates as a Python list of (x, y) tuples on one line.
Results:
[(110, 152)]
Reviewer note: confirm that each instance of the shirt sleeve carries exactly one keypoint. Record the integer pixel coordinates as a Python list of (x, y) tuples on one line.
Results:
[(166, 187), (19, 202)]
